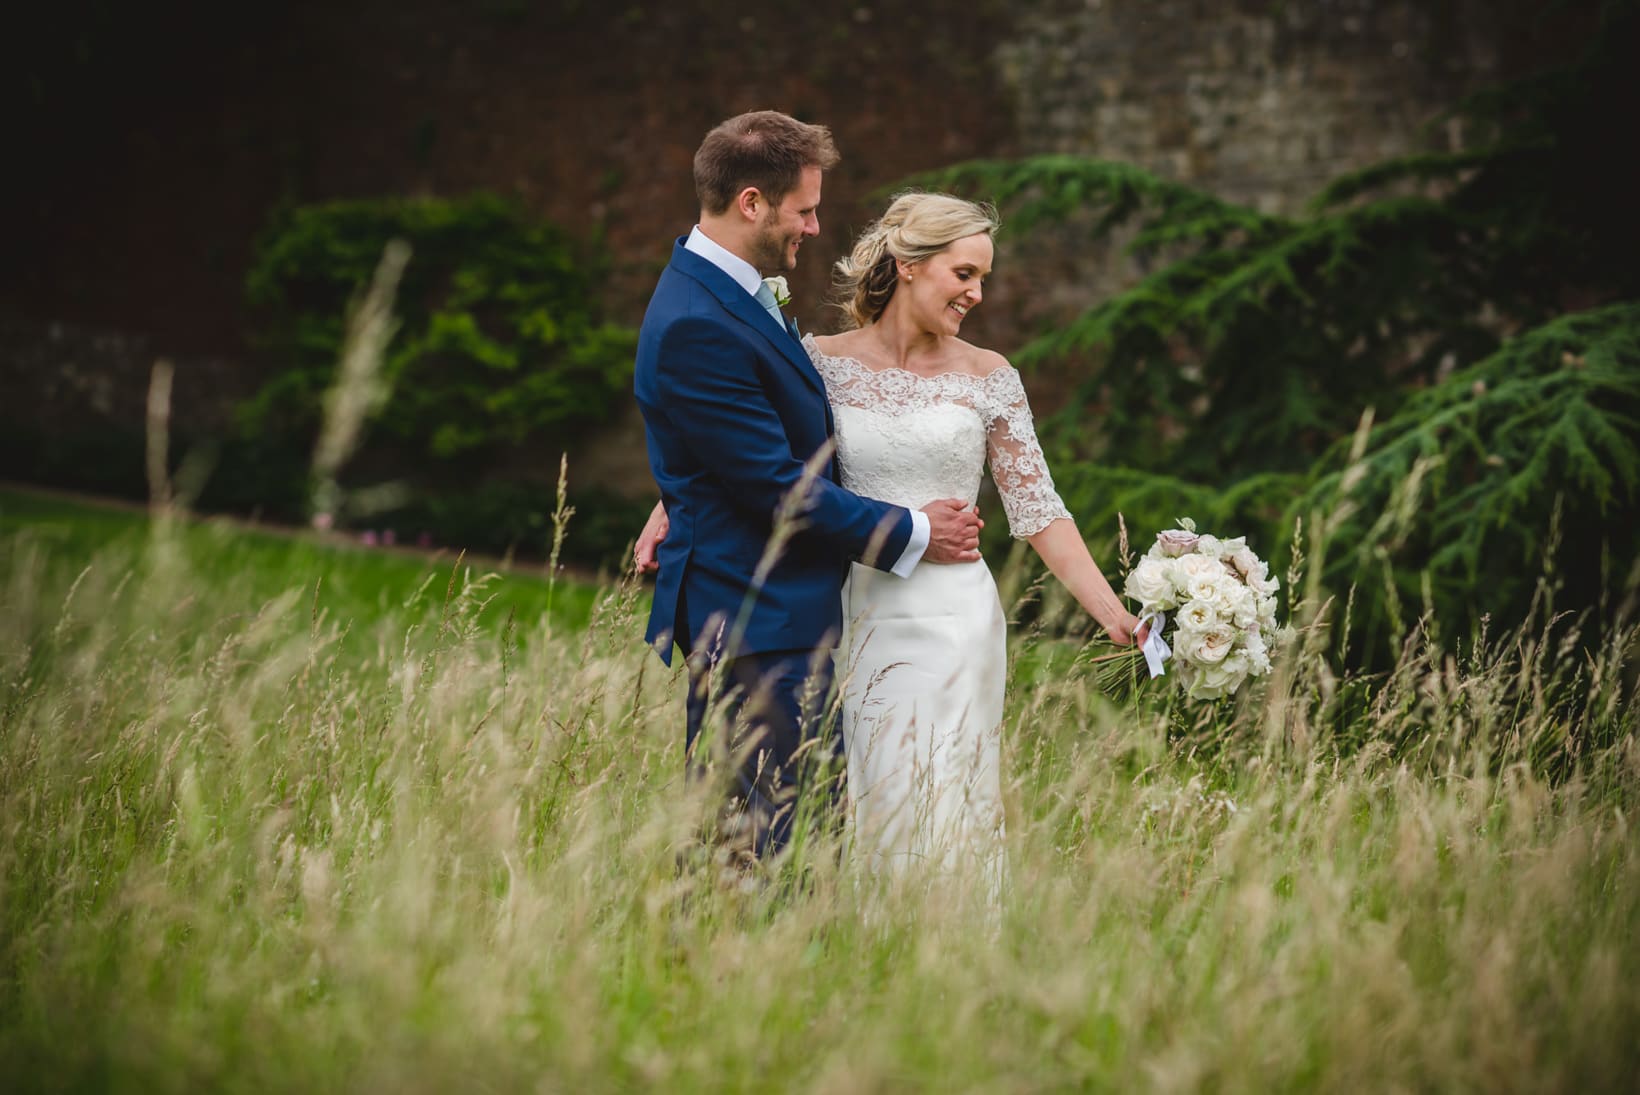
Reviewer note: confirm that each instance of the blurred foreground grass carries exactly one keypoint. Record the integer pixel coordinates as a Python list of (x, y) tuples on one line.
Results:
[(398, 838)]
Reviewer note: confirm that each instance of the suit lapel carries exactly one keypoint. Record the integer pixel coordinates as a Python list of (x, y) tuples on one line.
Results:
[(744, 307)]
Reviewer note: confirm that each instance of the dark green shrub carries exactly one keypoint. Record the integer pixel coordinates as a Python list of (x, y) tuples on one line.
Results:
[(498, 342), (499, 360)]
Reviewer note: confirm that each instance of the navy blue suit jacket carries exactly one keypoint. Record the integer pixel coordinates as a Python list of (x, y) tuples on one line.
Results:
[(732, 410)]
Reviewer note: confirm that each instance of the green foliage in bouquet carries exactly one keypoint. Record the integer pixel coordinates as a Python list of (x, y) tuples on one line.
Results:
[(1469, 300)]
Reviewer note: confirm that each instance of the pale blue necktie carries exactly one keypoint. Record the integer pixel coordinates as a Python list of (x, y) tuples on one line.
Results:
[(765, 297)]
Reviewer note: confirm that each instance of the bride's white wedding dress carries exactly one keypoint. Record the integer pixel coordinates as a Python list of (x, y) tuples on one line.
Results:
[(922, 661)]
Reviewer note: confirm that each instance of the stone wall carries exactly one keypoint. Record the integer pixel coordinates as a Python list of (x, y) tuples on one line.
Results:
[(1260, 103), (155, 177)]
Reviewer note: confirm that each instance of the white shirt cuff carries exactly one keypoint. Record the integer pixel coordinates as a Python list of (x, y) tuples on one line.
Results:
[(914, 547)]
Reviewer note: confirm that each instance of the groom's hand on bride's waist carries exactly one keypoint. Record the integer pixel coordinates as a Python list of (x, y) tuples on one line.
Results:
[(953, 531), (649, 540)]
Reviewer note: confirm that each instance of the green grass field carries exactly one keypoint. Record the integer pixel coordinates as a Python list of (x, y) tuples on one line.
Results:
[(279, 815), (355, 582)]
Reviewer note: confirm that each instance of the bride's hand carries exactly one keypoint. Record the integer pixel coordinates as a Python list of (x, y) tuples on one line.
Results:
[(1128, 632)]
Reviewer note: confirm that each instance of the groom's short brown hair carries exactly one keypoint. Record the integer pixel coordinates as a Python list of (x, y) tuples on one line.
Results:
[(765, 149)]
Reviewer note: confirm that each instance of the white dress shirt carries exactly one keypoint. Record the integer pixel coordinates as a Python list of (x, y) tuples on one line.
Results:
[(746, 276)]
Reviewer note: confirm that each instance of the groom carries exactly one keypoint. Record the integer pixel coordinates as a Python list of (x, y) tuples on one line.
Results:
[(739, 435)]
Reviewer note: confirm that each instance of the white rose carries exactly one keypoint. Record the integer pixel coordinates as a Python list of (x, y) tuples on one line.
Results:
[(1210, 546), (1149, 584), (1243, 607), (1246, 563), (1202, 587), (1217, 589), (1220, 679), (782, 292)]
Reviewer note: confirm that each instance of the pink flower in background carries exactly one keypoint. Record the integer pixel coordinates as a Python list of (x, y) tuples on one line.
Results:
[(368, 537)]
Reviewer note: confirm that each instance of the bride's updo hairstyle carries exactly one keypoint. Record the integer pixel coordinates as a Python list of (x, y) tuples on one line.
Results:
[(915, 227)]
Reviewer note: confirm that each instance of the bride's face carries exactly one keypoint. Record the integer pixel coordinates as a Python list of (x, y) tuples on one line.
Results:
[(942, 289)]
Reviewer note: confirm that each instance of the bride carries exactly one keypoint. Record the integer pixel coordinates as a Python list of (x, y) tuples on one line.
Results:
[(919, 413)]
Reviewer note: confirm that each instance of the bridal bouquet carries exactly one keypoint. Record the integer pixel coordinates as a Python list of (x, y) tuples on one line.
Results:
[(1225, 602)]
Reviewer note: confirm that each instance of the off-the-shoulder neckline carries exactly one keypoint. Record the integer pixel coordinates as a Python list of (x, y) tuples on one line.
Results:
[(1001, 370)]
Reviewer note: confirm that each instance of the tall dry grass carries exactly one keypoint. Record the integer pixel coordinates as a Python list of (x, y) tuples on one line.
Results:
[(257, 844)]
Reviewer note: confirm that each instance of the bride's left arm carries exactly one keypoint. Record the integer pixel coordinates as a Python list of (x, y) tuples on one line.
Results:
[(1061, 547), (1036, 513)]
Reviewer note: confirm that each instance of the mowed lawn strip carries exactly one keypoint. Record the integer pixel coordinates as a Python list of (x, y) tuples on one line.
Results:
[(254, 564)]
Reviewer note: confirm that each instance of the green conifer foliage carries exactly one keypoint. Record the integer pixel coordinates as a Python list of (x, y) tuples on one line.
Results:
[(1477, 304), (1528, 460)]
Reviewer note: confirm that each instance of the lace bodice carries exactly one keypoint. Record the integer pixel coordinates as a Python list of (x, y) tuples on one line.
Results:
[(911, 439)]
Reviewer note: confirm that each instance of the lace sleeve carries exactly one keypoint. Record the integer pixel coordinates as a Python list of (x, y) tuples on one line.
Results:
[(1017, 464)]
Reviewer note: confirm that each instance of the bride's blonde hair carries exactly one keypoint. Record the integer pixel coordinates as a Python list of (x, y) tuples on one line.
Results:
[(915, 226)]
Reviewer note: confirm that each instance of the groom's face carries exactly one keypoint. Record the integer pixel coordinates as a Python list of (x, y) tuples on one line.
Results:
[(784, 226)]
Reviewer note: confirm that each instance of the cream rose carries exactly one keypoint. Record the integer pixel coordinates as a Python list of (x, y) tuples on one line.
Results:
[(1213, 647), (1198, 616), (1190, 566)]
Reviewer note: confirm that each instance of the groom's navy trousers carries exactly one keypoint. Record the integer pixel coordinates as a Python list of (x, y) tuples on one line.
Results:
[(771, 709), (739, 437)]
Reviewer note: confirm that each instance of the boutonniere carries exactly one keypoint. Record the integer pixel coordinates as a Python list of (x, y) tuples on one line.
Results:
[(782, 292)]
